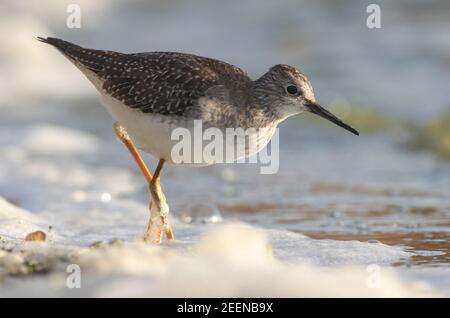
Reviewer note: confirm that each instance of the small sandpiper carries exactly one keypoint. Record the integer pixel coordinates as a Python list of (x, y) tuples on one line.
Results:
[(150, 94)]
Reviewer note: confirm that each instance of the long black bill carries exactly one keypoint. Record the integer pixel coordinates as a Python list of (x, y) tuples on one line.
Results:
[(322, 112)]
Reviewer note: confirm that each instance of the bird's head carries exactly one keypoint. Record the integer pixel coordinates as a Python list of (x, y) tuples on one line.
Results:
[(285, 91)]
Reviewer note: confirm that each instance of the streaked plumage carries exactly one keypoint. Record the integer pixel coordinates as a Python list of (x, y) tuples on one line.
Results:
[(165, 83)]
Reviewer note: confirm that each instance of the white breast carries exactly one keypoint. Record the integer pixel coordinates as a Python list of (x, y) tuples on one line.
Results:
[(149, 132), (153, 134)]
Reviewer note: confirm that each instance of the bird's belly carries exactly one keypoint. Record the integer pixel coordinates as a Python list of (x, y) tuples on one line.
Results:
[(154, 134), (240, 144), (149, 132)]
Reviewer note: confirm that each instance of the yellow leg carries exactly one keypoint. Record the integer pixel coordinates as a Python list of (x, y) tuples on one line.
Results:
[(121, 133), (160, 200), (159, 209)]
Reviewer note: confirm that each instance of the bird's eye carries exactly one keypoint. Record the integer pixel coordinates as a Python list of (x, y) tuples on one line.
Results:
[(292, 89)]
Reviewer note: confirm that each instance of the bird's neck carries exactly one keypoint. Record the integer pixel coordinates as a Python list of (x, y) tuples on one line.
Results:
[(262, 105)]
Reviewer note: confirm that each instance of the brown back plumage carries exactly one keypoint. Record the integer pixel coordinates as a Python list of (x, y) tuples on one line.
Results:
[(165, 83)]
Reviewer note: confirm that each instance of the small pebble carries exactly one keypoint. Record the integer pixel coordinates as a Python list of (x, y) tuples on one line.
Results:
[(115, 242), (97, 244), (36, 236)]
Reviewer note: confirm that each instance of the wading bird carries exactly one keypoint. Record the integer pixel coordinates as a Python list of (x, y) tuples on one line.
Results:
[(150, 94)]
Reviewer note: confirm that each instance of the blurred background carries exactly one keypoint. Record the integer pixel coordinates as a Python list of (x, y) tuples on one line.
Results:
[(59, 158)]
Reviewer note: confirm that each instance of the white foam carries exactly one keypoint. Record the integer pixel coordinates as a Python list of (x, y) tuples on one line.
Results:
[(229, 261)]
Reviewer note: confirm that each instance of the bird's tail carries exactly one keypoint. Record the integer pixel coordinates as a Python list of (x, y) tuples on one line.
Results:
[(83, 58), (61, 45), (71, 51)]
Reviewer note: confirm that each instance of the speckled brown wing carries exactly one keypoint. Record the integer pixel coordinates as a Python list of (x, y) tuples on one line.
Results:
[(157, 82)]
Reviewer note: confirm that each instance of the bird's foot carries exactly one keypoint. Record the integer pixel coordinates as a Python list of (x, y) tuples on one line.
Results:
[(158, 223)]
